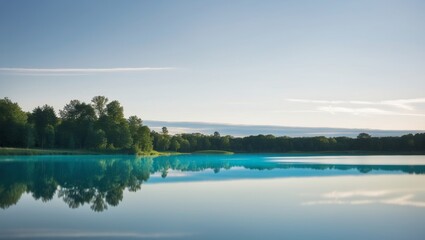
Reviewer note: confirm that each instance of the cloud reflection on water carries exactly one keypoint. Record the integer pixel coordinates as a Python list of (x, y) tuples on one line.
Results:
[(59, 234), (405, 197)]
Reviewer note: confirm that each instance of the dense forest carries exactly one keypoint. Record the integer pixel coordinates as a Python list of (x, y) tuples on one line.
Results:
[(101, 126)]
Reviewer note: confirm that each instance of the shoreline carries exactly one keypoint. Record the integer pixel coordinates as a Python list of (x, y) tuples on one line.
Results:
[(35, 151)]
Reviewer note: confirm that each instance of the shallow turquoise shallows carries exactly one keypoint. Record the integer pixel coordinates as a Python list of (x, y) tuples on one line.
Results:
[(240, 196)]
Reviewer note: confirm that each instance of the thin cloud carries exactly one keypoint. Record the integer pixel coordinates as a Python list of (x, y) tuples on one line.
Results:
[(398, 103), (405, 104), (402, 107), (78, 71), (315, 101), (365, 111), (337, 202), (355, 111)]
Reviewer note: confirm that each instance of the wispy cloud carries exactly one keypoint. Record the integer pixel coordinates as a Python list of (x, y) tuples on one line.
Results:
[(360, 111), (78, 71), (398, 103), (315, 101), (337, 202), (387, 107), (405, 104)]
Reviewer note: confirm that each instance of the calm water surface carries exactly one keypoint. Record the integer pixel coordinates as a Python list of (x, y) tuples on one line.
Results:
[(212, 197)]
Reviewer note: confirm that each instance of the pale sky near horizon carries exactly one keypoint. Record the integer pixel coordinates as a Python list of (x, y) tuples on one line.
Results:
[(350, 64)]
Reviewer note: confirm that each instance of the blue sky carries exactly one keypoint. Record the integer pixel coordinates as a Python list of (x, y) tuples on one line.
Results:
[(350, 64)]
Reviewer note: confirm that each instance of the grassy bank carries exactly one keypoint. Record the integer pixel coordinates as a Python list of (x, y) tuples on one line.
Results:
[(37, 151), (162, 153), (212, 152)]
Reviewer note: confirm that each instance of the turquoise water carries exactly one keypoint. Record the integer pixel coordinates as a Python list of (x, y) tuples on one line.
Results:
[(237, 196)]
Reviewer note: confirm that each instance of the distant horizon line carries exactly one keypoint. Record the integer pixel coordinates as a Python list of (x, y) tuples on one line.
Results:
[(194, 124)]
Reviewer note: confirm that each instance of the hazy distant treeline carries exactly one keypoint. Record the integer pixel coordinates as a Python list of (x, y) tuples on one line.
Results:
[(270, 143), (101, 125)]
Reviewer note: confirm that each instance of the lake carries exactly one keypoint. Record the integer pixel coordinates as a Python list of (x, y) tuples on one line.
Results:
[(240, 196)]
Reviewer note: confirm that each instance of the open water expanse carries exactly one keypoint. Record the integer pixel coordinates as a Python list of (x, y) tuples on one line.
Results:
[(240, 196)]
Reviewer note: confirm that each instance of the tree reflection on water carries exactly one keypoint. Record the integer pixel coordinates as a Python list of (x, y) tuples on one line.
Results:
[(100, 181)]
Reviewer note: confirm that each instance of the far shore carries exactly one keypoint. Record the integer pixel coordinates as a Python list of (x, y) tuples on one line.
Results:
[(37, 151)]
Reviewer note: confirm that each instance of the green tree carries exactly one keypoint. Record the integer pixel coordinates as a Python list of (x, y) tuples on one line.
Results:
[(13, 125), (225, 143), (116, 126), (44, 120), (174, 144), (99, 105), (96, 139), (134, 123), (164, 131), (140, 135), (69, 111), (163, 141), (364, 142), (363, 136), (115, 111), (145, 139), (78, 125)]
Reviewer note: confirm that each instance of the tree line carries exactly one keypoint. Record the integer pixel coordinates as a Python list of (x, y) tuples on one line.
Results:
[(192, 142), (101, 125)]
